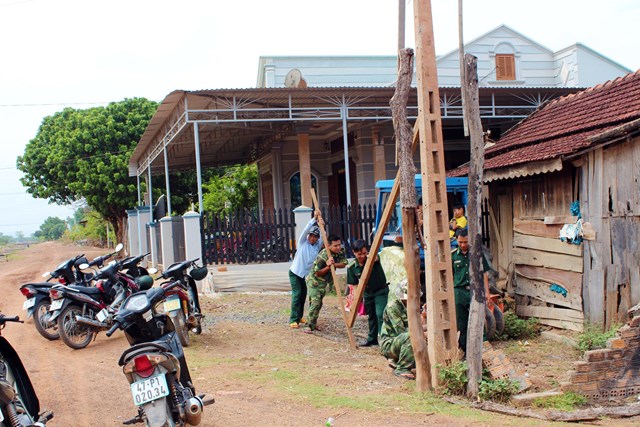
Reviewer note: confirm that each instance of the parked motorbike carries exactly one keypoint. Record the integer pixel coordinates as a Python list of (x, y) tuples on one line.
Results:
[(182, 303), (155, 364), (19, 404), (82, 312), (132, 265), (38, 300)]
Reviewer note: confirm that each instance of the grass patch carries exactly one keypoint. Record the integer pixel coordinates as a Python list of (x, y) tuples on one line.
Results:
[(593, 337), (516, 328), (567, 401)]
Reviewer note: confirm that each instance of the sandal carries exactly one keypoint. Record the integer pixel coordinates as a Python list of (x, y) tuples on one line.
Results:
[(308, 331), (294, 325), (405, 375)]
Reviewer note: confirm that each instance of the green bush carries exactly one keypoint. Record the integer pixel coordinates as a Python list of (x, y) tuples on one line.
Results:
[(593, 337), (499, 390), (453, 378), (516, 328), (567, 401)]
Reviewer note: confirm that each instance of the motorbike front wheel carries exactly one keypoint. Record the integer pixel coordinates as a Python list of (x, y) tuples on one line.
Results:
[(48, 329), (181, 327), (74, 335)]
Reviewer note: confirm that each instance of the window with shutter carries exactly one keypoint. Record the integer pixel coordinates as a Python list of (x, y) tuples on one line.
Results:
[(505, 67)]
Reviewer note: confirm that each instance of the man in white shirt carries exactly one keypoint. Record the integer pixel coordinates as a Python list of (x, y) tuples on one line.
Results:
[(309, 244)]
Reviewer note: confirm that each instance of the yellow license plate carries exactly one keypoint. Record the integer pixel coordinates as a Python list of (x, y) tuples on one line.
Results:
[(172, 305)]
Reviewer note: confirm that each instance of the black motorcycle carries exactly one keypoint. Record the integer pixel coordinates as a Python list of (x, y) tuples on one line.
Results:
[(19, 404), (38, 299), (155, 365), (184, 306)]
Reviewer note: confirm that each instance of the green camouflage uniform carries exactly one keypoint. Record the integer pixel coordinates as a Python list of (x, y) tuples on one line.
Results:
[(317, 286), (461, 292), (395, 343)]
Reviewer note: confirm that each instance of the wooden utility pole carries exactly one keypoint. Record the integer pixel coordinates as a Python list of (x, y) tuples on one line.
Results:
[(441, 325), (352, 340), (476, 166), (465, 124), (407, 173)]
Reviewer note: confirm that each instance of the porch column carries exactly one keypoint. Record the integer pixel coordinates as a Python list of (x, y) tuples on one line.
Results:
[(144, 216), (276, 176), (166, 179), (196, 139), (379, 161), (345, 145), (304, 157)]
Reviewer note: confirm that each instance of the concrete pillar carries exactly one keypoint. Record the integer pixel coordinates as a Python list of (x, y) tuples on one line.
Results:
[(154, 244), (302, 215), (133, 248), (304, 157), (166, 235), (379, 161), (144, 216), (192, 236)]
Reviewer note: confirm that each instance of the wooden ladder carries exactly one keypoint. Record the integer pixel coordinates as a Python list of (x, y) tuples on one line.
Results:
[(441, 316)]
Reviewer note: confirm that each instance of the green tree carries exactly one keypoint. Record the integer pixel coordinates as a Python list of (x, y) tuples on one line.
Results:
[(4, 239), (51, 229), (85, 154), (236, 187)]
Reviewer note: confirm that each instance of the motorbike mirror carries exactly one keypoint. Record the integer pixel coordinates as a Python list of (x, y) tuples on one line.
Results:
[(119, 247), (152, 270), (46, 274), (84, 266)]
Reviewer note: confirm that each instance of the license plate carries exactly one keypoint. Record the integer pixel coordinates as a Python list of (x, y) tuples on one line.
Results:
[(150, 389), (29, 303), (102, 315), (171, 305), (56, 304)]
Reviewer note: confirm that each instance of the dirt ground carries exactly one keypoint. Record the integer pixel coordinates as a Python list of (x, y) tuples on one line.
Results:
[(259, 370)]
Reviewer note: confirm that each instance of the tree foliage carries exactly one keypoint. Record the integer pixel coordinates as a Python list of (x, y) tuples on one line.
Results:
[(236, 187), (51, 229), (85, 154)]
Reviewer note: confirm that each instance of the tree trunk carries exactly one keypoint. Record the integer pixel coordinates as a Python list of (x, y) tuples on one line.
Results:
[(474, 213), (407, 172)]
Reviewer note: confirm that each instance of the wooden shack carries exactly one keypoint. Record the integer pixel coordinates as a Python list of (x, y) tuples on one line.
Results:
[(582, 148)]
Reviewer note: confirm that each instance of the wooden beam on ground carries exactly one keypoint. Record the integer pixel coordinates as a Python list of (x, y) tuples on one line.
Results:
[(352, 340)]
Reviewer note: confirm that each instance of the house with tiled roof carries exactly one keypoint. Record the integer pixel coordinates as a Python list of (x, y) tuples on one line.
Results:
[(576, 160)]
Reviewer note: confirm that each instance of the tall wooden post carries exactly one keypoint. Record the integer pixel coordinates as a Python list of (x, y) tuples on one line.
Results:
[(407, 173), (476, 165), (441, 325)]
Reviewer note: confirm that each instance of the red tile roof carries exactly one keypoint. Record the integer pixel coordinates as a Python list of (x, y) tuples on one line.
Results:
[(564, 125)]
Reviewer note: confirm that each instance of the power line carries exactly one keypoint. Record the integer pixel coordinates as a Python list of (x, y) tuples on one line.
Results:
[(55, 104)]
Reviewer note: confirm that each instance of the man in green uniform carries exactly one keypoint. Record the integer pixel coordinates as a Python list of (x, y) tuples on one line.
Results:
[(376, 292), (395, 343), (461, 291), (320, 276)]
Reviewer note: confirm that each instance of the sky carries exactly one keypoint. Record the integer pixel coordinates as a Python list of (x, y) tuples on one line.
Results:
[(81, 54)]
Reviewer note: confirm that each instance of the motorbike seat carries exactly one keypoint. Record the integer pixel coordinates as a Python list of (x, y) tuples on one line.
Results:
[(86, 289)]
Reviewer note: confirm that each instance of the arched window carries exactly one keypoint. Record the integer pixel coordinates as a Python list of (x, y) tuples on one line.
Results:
[(294, 189)]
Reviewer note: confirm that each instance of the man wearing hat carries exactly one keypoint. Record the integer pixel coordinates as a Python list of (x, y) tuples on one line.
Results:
[(309, 245)]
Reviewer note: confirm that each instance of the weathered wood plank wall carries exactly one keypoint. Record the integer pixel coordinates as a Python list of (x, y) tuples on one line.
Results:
[(611, 200)]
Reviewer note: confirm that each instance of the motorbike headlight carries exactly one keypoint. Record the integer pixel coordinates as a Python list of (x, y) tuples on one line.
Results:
[(137, 302)]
